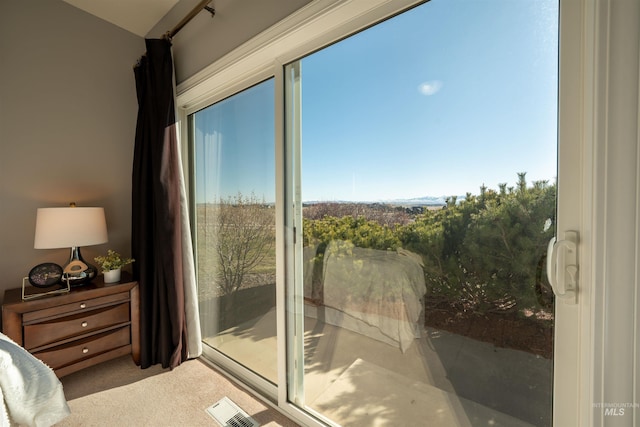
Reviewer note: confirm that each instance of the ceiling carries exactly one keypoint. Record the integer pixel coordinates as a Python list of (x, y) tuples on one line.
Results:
[(136, 16)]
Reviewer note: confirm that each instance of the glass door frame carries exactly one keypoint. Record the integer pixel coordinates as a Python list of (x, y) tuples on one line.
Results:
[(573, 347), (322, 22), (238, 372)]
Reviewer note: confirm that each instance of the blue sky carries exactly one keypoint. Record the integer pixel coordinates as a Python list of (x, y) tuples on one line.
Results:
[(436, 101), (235, 146)]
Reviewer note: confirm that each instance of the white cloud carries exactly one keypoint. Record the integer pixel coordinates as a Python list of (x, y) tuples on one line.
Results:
[(430, 88)]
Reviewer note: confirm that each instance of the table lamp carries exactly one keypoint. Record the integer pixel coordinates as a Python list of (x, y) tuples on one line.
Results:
[(71, 227)]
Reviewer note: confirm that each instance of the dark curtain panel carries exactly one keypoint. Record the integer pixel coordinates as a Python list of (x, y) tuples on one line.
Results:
[(156, 223)]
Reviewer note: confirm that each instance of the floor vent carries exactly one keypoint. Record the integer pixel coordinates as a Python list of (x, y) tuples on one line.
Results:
[(228, 414)]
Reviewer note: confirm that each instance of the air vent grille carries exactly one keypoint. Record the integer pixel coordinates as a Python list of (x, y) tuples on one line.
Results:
[(228, 414)]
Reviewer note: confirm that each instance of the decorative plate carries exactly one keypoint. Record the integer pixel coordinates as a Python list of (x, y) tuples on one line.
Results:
[(45, 275)]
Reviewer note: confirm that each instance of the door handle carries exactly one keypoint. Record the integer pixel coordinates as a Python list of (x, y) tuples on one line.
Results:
[(562, 266)]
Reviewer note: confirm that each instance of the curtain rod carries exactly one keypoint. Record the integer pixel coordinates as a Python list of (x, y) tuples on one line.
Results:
[(200, 7)]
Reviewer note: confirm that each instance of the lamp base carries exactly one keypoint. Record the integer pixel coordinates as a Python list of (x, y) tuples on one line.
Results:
[(77, 271)]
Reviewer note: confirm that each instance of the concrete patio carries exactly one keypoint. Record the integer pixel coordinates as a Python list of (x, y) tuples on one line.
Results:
[(442, 379)]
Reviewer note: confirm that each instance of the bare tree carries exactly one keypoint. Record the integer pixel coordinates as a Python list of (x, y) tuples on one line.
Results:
[(245, 235)]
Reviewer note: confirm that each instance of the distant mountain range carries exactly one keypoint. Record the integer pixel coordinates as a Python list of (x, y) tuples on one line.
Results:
[(422, 201), (416, 201)]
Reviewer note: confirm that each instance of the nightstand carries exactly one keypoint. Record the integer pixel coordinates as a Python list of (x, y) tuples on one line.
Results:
[(89, 325)]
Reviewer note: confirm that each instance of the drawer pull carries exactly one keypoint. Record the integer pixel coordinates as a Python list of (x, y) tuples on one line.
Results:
[(85, 350), (83, 305), (84, 324)]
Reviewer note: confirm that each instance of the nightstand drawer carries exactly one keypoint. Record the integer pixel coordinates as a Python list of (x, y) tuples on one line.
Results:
[(76, 351), (84, 305), (52, 331)]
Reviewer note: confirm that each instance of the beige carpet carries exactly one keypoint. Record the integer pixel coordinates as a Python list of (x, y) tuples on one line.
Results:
[(396, 400), (118, 393)]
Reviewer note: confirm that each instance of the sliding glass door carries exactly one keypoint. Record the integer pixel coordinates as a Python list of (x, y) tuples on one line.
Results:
[(234, 185), (423, 159), (372, 216)]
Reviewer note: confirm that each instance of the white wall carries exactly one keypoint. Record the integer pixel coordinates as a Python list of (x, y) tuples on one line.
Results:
[(67, 119)]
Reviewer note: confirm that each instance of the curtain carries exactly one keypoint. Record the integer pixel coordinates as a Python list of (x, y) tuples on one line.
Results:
[(160, 230)]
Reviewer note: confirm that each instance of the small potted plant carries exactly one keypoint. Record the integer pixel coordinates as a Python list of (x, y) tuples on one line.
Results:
[(111, 265)]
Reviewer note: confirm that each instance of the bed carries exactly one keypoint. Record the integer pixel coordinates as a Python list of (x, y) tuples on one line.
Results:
[(30, 392), (375, 293)]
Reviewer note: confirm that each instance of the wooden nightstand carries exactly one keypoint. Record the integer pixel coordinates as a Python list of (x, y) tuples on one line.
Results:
[(89, 325)]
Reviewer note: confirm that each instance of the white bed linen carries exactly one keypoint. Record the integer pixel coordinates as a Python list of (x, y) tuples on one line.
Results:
[(31, 393)]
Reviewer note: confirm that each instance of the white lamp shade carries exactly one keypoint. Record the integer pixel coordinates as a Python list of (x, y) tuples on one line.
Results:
[(69, 227)]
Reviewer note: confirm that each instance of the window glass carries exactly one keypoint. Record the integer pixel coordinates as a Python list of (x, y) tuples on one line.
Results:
[(426, 153), (235, 227)]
